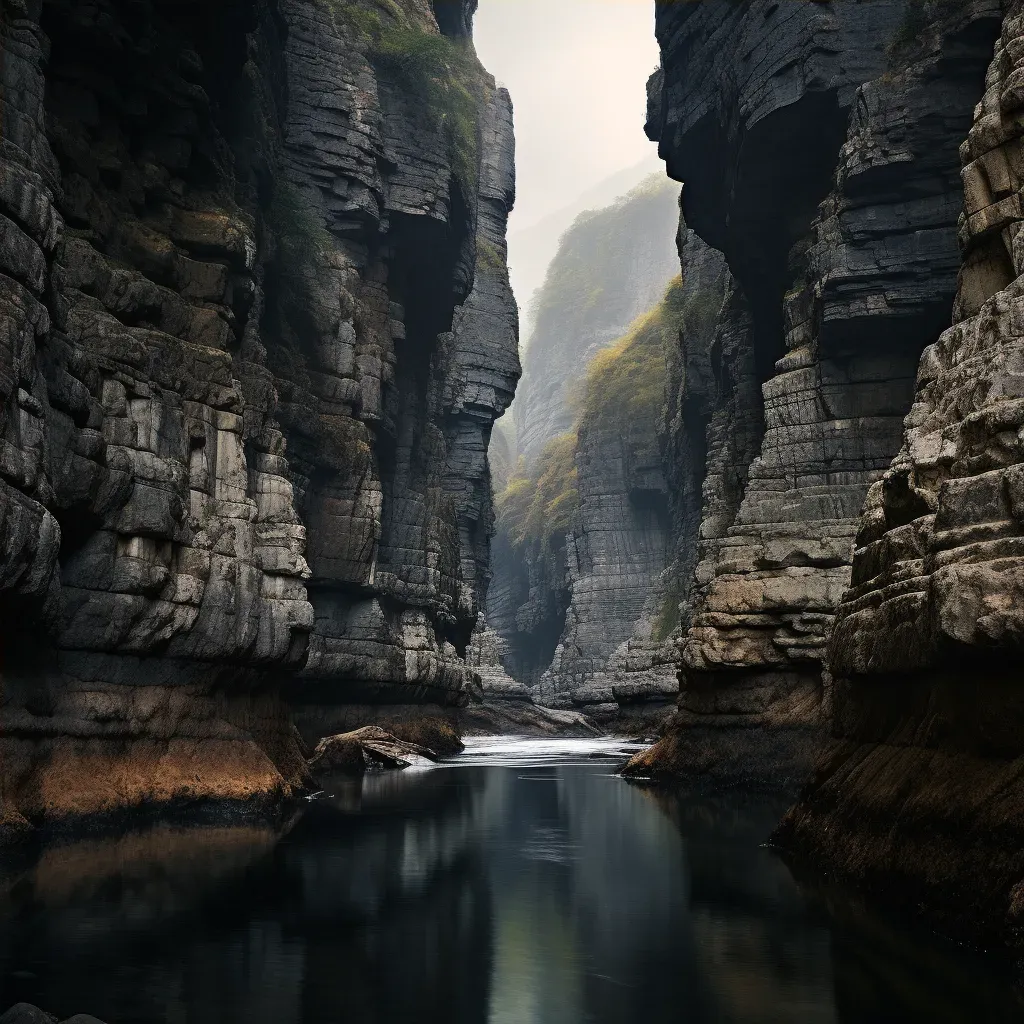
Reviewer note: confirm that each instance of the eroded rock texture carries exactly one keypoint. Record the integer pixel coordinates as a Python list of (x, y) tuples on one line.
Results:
[(256, 325), (818, 143), (921, 795)]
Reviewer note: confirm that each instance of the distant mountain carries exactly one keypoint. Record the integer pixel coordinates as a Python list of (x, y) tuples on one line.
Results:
[(611, 265), (532, 247)]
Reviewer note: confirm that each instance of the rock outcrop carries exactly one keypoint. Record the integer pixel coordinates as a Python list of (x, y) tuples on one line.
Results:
[(366, 750), (920, 797), (818, 144), (507, 705), (256, 328)]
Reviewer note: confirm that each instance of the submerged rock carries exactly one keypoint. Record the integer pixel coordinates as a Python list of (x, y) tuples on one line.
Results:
[(26, 1013)]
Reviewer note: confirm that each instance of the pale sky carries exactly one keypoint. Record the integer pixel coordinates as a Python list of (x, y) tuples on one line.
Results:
[(577, 71)]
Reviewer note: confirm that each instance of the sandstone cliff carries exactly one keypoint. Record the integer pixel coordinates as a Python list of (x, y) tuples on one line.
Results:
[(256, 328), (818, 144), (920, 796)]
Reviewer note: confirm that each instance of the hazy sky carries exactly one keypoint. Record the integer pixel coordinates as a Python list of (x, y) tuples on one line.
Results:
[(577, 71)]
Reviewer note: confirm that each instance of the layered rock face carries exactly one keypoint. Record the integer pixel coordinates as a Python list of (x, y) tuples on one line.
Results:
[(921, 795), (818, 143), (639, 486), (257, 325), (612, 265)]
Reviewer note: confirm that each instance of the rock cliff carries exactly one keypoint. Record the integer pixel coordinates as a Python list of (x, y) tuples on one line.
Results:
[(256, 328), (612, 266), (818, 144), (638, 684), (920, 796), (628, 553)]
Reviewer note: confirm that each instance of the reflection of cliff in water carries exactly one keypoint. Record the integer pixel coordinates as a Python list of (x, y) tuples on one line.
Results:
[(470, 895), (362, 915)]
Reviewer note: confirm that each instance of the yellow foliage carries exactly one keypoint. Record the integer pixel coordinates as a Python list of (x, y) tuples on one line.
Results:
[(626, 382), (540, 503)]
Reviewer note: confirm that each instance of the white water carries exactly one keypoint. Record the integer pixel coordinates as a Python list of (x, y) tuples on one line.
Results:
[(533, 752)]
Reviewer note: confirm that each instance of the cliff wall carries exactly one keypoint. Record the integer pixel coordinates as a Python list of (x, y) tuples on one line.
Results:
[(628, 549), (818, 143), (612, 266), (919, 798), (256, 327)]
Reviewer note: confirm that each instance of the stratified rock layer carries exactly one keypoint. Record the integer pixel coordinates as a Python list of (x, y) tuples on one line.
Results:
[(256, 325), (826, 171), (631, 551), (612, 266), (921, 797)]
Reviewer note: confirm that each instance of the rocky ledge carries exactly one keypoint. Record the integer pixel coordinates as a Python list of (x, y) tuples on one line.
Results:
[(256, 326)]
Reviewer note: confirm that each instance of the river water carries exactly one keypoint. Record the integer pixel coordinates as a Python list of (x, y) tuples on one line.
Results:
[(520, 883)]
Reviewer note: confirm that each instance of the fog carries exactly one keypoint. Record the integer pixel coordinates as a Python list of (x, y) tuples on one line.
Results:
[(577, 71)]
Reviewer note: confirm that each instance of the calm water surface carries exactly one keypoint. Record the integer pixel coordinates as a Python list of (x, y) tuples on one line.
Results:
[(522, 883)]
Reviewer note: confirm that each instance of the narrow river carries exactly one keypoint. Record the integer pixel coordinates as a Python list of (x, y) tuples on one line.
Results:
[(520, 883)]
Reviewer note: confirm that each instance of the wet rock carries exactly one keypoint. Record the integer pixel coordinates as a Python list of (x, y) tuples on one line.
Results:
[(525, 718), (366, 749), (506, 706), (25, 1013)]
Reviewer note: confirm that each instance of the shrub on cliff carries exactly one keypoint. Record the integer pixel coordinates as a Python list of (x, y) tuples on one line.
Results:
[(606, 261), (302, 242), (625, 389)]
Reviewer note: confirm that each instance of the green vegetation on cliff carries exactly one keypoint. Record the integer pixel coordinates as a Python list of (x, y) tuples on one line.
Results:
[(540, 502), (302, 244), (443, 73), (624, 388), (625, 383), (592, 282)]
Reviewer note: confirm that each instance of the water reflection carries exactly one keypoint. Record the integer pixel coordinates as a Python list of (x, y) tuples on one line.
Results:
[(524, 885)]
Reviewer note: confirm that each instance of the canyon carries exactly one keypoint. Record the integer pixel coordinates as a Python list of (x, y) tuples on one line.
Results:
[(759, 491), (824, 512)]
